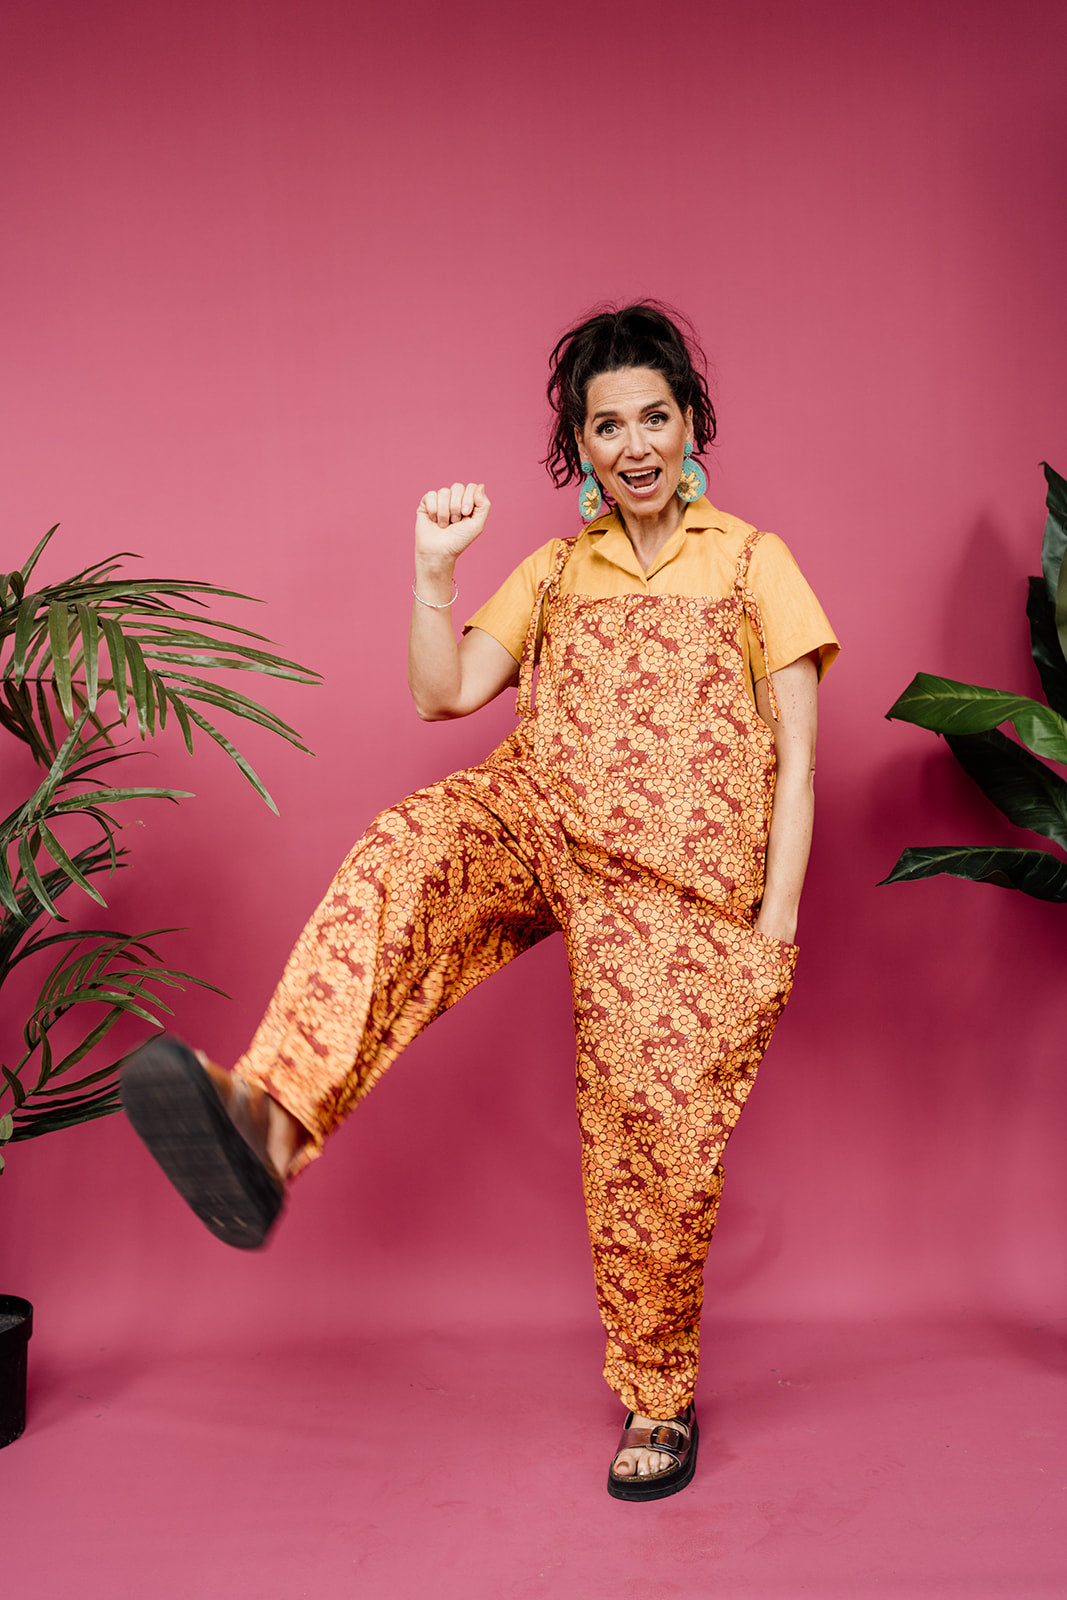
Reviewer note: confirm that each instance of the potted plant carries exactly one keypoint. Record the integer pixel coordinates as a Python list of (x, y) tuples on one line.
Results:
[(88, 667), (1028, 792)]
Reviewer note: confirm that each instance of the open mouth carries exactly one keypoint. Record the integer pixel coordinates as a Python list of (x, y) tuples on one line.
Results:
[(641, 482)]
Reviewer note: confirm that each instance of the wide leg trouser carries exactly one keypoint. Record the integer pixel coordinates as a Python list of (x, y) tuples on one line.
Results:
[(673, 1011), (437, 895)]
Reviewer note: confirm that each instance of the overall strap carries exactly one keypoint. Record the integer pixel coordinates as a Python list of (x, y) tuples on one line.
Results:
[(524, 698), (750, 606)]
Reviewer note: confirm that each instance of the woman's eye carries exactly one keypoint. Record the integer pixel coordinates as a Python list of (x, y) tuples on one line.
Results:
[(606, 429), (658, 418)]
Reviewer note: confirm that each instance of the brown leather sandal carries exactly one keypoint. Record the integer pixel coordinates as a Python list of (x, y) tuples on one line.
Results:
[(208, 1131), (677, 1438)]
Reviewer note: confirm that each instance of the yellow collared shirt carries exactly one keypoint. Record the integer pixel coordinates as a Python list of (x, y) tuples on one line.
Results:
[(698, 559)]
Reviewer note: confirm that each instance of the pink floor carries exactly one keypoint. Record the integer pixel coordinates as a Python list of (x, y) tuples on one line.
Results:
[(897, 1459)]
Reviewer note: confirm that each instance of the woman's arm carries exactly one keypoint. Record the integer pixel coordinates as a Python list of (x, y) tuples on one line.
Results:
[(450, 677), (789, 840)]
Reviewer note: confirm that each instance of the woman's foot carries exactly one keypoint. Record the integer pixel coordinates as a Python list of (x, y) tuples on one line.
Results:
[(222, 1142), (637, 1462), (654, 1458)]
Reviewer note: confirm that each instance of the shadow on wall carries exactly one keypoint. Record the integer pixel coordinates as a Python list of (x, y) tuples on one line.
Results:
[(984, 634)]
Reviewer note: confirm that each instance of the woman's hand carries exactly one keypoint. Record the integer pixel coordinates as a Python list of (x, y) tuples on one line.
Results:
[(446, 523), (450, 677)]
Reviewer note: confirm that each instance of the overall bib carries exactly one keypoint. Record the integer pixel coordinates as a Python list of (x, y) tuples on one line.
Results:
[(630, 810)]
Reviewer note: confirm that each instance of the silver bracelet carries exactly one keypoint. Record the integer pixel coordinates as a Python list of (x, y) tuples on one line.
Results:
[(445, 605)]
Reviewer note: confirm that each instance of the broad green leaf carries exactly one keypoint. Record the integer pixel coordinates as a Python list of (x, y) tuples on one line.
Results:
[(1045, 646), (946, 706), (1061, 606), (1028, 793), (1054, 542), (7, 1127), (59, 639), (1034, 872), (234, 755)]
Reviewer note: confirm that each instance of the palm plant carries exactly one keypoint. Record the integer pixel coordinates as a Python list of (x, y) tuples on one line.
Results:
[(80, 660), (1028, 792)]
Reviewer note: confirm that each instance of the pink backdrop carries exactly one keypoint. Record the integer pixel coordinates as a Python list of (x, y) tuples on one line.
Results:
[(272, 269)]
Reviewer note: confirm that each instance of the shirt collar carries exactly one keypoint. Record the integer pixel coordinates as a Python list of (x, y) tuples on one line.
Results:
[(610, 539)]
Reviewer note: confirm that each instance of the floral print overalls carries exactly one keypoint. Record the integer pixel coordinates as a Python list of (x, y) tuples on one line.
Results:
[(629, 809)]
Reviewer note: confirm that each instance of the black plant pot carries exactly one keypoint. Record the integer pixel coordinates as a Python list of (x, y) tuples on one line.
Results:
[(16, 1325)]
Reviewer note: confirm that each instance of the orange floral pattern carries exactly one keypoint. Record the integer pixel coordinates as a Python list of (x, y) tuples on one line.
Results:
[(629, 809)]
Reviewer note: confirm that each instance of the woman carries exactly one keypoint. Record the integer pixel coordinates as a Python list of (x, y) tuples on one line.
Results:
[(678, 654)]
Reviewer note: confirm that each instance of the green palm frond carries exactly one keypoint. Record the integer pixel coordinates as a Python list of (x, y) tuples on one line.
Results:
[(66, 790), (89, 667), (117, 973), (67, 648), (114, 972), (97, 635)]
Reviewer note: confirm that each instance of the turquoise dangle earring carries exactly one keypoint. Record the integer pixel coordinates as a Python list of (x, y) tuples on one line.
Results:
[(693, 483), (589, 497)]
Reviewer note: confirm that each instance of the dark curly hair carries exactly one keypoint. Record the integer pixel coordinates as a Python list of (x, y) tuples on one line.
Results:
[(641, 335)]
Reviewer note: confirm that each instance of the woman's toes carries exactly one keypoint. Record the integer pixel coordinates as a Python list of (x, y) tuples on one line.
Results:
[(641, 1463)]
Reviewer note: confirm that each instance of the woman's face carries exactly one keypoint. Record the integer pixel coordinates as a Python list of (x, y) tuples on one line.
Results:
[(635, 435)]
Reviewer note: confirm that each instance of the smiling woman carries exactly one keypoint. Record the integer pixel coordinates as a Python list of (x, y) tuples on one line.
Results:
[(654, 805), (634, 439)]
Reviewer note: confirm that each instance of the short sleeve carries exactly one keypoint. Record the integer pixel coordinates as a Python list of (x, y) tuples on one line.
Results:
[(507, 615), (794, 623)]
